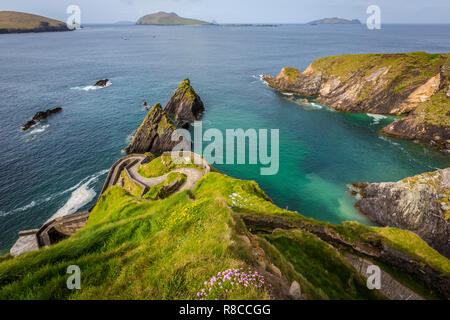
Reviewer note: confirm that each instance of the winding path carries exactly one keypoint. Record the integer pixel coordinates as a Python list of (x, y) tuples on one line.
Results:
[(192, 174), (131, 165)]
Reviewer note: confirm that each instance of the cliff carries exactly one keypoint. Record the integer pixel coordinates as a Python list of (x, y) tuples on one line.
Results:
[(420, 204), (223, 230), (154, 134), (19, 22), (414, 84), (164, 18), (185, 104)]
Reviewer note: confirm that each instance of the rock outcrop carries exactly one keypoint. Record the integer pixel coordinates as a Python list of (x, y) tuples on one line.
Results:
[(414, 84), (185, 104), (154, 134), (102, 83), (420, 204), (39, 116)]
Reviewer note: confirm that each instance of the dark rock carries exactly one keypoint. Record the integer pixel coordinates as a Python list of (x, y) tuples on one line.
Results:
[(183, 124), (155, 133), (101, 83), (28, 125), (39, 116), (185, 103)]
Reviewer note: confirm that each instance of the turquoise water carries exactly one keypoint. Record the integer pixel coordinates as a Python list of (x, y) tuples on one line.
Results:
[(59, 166)]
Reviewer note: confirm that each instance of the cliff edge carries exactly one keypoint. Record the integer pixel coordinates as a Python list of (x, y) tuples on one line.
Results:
[(415, 84), (420, 204)]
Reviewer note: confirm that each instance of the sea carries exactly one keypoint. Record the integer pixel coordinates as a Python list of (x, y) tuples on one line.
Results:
[(58, 167)]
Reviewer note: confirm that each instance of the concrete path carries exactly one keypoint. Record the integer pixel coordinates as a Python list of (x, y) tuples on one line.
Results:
[(192, 174)]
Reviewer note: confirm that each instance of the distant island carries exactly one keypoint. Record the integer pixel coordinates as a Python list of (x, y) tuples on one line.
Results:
[(20, 22), (168, 19), (334, 21)]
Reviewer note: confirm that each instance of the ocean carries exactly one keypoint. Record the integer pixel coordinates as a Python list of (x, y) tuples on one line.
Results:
[(59, 166)]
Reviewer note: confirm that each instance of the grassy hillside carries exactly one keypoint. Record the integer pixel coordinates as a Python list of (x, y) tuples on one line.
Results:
[(133, 248), (26, 21), (164, 18)]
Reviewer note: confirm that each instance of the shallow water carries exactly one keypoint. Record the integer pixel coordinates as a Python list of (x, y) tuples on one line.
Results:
[(57, 166)]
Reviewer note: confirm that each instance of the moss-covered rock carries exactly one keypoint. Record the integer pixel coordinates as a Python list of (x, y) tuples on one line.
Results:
[(185, 104), (154, 134)]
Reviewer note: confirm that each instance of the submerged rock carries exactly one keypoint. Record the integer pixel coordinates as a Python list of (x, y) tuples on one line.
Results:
[(420, 204), (39, 116), (154, 134), (185, 103)]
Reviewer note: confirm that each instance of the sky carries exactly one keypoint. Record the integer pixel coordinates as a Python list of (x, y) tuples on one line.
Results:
[(239, 11)]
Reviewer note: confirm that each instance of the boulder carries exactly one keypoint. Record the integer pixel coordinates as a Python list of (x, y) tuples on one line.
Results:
[(294, 291), (185, 103)]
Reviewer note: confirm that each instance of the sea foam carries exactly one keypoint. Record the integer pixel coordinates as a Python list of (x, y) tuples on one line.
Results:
[(91, 88)]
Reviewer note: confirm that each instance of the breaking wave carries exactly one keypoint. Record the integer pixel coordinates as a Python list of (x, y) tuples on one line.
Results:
[(91, 88), (80, 193), (376, 117), (81, 196)]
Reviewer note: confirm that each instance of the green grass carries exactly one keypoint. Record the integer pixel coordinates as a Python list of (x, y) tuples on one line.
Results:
[(163, 165), (321, 264), (133, 248), (292, 74), (411, 244), (130, 185), (435, 111), (158, 191)]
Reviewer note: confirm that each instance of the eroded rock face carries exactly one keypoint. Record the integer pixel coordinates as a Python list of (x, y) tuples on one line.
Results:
[(413, 128), (155, 133), (420, 204), (185, 103), (414, 84), (291, 80)]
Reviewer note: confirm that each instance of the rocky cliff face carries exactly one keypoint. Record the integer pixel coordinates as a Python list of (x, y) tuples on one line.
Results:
[(155, 133), (414, 84), (420, 204), (185, 104)]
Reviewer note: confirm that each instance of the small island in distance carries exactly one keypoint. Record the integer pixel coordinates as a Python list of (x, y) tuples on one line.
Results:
[(334, 20), (20, 22), (169, 19)]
